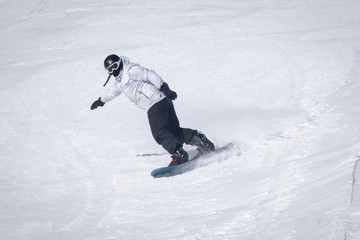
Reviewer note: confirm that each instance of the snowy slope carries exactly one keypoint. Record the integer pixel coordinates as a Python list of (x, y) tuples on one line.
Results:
[(280, 79)]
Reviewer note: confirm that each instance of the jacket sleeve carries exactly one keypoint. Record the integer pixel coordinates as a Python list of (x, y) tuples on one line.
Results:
[(111, 93), (143, 74)]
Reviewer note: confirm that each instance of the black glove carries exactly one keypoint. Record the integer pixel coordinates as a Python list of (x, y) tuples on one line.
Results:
[(96, 104), (168, 92)]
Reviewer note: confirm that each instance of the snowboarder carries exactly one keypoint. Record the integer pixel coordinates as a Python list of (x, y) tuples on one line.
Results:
[(148, 91)]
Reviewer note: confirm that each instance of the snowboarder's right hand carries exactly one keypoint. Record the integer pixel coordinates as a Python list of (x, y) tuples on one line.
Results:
[(168, 92), (97, 103)]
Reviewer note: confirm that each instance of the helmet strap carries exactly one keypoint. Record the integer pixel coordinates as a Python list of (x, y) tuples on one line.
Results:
[(107, 80)]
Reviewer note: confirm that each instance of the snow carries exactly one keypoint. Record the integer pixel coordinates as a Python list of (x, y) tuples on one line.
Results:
[(279, 79)]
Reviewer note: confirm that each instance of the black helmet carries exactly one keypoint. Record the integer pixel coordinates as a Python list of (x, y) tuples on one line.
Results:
[(113, 65), (110, 60)]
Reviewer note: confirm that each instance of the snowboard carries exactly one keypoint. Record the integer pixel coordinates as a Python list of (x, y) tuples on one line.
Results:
[(188, 166)]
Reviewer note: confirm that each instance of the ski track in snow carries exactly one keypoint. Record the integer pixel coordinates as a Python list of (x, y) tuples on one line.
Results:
[(278, 79)]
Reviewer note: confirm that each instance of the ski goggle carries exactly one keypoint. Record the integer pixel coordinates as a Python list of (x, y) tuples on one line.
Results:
[(114, 66)]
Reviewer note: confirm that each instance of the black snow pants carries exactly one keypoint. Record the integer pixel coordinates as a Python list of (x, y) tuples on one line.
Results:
[(165, 126)]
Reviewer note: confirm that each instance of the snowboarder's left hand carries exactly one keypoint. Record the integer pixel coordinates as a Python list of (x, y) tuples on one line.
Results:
[(97, 103), (168, 92)]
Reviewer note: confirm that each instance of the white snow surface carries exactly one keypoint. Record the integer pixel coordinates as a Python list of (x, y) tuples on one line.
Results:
[(280, 79)]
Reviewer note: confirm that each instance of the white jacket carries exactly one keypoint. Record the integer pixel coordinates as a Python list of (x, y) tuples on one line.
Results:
[(139, 84)]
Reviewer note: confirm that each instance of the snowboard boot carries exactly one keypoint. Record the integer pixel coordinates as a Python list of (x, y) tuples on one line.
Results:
[(203, 144), (179, 157)]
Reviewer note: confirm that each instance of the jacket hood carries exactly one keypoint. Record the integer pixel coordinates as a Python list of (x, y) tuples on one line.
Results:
[(125, 60)]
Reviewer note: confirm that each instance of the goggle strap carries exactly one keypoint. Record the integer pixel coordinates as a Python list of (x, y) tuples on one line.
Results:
[(107, 80)]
